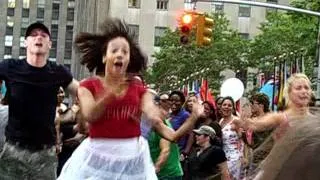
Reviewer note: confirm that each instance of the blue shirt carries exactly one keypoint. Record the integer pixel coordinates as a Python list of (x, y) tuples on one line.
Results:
[(177, 121)]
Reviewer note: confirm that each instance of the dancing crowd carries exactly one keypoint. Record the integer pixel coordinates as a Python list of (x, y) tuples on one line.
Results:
[(118, 128)]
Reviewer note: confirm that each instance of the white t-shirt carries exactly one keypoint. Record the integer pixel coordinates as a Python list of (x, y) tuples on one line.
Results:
[(4, 111)]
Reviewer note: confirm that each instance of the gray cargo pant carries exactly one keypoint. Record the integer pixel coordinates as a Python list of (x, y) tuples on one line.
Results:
[(21, 164)]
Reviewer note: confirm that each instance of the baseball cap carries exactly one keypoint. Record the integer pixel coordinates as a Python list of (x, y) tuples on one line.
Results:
[(37, 25), (164, 97), (206, 130)]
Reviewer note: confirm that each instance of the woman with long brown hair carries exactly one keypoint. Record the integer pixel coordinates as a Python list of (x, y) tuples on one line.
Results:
[(112, 104)]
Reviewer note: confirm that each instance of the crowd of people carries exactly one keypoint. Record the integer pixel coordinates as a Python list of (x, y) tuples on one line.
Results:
[(117, 128)]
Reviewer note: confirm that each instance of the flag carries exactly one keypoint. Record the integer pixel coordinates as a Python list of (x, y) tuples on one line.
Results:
[(205, 93), (204, 89), (185, 90), (281, 85), (195, 88)]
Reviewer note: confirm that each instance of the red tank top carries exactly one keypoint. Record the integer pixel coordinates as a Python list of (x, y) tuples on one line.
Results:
[(121, 117)]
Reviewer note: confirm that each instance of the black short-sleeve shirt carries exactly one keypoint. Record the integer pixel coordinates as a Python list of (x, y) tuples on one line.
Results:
[(206, 163), (32, 99)]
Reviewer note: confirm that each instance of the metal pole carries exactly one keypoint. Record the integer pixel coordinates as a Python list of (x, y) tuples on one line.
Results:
[(318, 58), (274, 83), (261, 4)]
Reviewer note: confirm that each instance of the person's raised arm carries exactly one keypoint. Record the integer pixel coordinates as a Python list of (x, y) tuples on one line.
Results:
[(153, 113), (90, 108), (263, 123)]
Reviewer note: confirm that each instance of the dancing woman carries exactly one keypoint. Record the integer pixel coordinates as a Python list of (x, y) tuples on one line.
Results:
[(297, 94), (112, 104)]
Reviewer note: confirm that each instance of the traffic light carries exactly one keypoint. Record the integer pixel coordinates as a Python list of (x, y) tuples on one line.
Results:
[(204, 30), (185, 27)]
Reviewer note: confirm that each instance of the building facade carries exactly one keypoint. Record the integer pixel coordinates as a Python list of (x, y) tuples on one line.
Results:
[(148, 18), (57, 15), (245, 18), (66, 18)]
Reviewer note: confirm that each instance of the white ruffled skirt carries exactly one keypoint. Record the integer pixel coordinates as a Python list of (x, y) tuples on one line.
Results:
[(104, 159)]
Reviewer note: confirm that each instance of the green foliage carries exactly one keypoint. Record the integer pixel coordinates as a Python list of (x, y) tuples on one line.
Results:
[(283, 32), (226, 51)]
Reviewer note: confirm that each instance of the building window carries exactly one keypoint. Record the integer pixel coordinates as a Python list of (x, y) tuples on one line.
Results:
[(22, 51), (54, 31), (9, 30), (23, 31), (7, 56), (135, 29), (54, 43), (69, 33), (53, 53), (41, 3), (162, 4), (25, 12), (70, 14), (244, 35), (218, 7), (10, 21), (158, 33), (55, 11), (134, 3), (8, 50), (25, 22), (8, 40), (71, 4), (244, 10), (22, 41), (11, 3), (67, 53), (68, 44), (10, 12), (40, 13), (26, 4)]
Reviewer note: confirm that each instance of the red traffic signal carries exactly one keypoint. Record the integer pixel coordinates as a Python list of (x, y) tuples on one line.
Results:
[(185, 26)]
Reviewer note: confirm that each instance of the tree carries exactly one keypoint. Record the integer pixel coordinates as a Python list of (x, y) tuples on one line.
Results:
[(286, 32), (176, 62)]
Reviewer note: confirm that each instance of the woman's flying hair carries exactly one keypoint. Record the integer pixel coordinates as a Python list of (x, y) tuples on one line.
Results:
[(93, 47)]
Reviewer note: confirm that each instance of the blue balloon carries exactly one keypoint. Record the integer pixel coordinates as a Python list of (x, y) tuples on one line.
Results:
[(268, 90)]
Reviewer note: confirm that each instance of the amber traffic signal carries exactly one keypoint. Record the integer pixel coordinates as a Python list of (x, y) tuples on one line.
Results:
[(204, 30)]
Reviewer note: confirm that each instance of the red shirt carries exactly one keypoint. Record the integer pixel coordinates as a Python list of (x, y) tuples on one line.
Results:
[(122, 116)]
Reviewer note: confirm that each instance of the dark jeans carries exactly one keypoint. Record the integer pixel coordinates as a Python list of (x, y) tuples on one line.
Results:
[(63, 158), (21, 164)]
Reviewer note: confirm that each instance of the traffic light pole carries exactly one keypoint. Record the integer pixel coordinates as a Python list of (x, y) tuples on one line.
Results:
[(282, 7)]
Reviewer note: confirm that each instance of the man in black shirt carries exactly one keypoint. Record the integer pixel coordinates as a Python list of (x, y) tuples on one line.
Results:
[(209, 162), (32, 84)]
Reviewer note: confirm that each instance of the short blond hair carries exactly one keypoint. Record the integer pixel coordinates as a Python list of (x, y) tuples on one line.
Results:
[(289, 83)]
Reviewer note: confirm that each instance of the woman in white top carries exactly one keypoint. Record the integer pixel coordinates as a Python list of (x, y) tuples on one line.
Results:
[(231, 139)]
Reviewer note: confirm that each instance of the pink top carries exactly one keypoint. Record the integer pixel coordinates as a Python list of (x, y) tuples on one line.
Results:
[(282, 128), (121, 117)]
